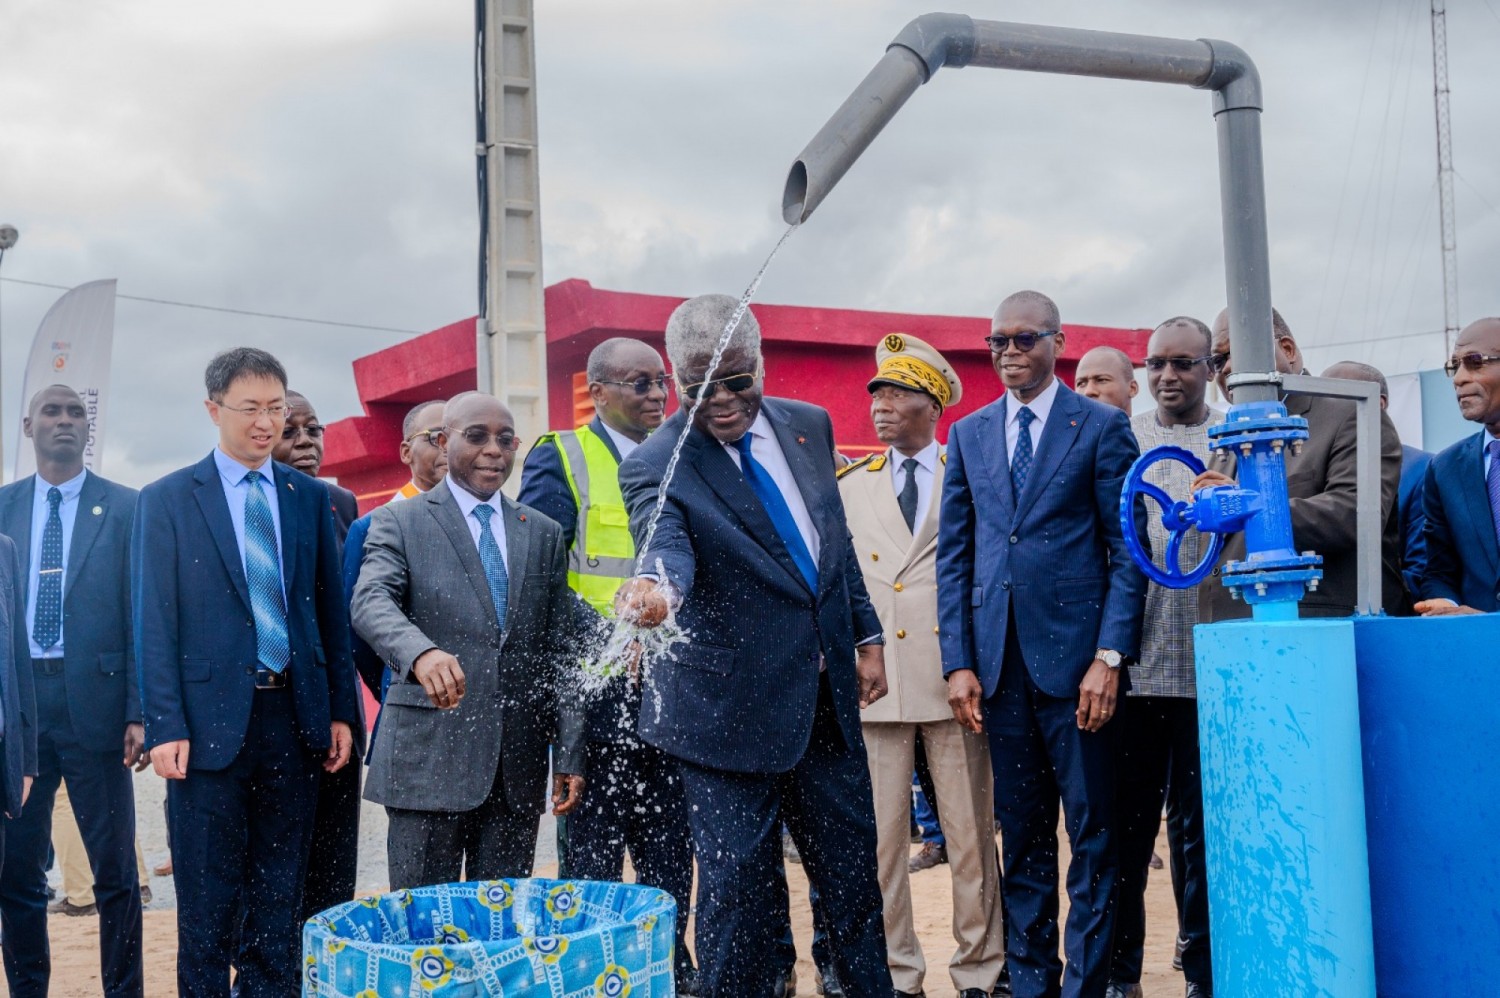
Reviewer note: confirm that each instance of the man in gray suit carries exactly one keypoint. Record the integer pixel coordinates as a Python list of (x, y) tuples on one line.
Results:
[(464, 594)]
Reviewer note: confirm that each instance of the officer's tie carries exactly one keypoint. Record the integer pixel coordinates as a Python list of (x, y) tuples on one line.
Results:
[(907, 500), (1020, 461), (776, 508), (48, 625), (263, 572), (493, 562)]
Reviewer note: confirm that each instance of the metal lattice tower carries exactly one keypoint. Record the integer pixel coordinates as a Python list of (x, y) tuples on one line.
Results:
[(511, 331), (1445, 172)]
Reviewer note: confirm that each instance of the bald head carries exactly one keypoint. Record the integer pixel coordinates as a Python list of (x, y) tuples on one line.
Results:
[(1353, 370), (1106, 375), (1046, 307), (57, 422), (1287, 355), (1478, 387)]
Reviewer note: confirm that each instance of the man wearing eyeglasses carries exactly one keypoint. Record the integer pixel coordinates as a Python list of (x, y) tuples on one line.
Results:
[(420, 450), (1321, 485), (301, 446), (246, 683), (464, 594), (761, 707), (1461, 496), (1158, 759), (1039, 606)]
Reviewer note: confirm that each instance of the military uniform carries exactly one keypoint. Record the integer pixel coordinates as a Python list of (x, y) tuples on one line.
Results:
[(900, 570)]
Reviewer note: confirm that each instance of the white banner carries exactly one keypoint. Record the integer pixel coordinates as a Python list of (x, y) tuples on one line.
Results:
[(72, 347)]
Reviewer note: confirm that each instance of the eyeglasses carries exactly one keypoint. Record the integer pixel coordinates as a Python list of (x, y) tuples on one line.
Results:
[(1024, 341), (1218, 362), (478, 436), (642, 386), (734, 383), (428, 435), (253, 411), (1182, 364), (313, 430), (1470, 362)]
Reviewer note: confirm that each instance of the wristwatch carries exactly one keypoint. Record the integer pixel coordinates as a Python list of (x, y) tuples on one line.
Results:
[(1108, 657)]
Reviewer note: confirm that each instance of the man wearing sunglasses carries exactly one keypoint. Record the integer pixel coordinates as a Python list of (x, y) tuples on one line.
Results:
[(1159, 717), (574, 477), (1039, 605), (1321, 484), (1461, 496), (761, 707)]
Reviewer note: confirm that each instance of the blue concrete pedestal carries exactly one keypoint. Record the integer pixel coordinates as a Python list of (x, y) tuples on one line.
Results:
[(1283, 800)]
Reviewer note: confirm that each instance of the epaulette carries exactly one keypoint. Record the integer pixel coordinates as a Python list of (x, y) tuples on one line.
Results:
[(877, 463), (854, 464)]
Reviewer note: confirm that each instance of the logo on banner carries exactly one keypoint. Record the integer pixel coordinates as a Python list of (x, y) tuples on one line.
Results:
[(60, 350)]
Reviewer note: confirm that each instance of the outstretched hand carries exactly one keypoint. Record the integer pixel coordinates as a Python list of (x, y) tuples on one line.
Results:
[(642, 602)]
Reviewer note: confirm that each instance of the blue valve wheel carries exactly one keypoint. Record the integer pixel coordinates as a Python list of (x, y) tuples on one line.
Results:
[(1136, 487)]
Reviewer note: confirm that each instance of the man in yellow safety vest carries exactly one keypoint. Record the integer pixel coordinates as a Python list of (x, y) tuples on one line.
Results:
[(573, 477)]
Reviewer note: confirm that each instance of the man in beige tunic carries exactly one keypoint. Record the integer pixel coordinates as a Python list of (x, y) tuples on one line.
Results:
[(891, 501)]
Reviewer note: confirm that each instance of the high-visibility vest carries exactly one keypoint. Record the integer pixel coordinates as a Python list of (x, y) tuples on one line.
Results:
[(602, 557)]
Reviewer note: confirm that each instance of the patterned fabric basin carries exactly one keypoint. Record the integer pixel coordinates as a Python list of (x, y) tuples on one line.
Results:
[(494, 938)]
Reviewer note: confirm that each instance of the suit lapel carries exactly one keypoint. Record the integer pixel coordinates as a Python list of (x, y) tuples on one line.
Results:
[(995, 455), (517, 550), (286, 506), (86, 526), (445, 509), (1476, 494), (1058, 434), (721, 474), (215, 508), (15, 521)]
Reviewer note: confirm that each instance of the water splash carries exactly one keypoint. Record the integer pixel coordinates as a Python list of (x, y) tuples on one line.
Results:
[(615, 659)]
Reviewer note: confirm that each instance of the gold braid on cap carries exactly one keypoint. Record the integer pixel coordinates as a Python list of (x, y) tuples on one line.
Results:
[(904, 369)]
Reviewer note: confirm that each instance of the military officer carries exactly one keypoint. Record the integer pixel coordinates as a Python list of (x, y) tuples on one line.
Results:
[(890, 502)]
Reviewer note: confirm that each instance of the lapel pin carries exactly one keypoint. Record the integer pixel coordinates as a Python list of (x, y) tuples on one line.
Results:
[(292, 487), (1072, 422), (98, 510), (522, 517), (802, 440)]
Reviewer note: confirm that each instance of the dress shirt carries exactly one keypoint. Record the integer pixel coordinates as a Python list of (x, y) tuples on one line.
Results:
[(623, 444), (67, 511), (927, 459), (766, 450), (1041, 407), (237, 490), (467, 501), (1485, 438)]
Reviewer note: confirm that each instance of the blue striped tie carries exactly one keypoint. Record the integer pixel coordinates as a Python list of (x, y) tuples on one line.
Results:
[(47, 628), (493, 562), (263, 572)]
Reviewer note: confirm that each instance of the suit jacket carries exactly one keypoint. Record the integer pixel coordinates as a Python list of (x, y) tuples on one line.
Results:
[(1052, 559), (367, 664), (345, 506), (900, 572), (1321, 484), (1463, 559), (740, 696), (195, 627), (422, 586), (99, 658), (17, 694), (1414, 463)]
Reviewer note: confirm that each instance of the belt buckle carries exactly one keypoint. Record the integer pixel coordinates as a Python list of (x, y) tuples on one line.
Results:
[(265, 679), (47, 666)]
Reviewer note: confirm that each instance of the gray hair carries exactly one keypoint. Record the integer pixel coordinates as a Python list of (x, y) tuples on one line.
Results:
[(696, 325), (409, 423), (602, 363)]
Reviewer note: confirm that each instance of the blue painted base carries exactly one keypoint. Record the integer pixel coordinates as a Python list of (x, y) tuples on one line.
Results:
[(1283, 799), (1432, 773)]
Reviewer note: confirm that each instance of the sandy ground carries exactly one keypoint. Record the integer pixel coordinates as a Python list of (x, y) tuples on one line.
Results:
[(75, 941)]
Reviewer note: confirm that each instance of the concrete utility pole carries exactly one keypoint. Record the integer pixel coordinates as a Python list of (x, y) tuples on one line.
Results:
[(1445, 173), (511, 331)]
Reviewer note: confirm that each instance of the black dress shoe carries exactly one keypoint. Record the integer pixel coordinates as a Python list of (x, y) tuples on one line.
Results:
[(1124, 989), (1198, 989), (1002, 986), (898, 993), (786, 984), (973, 993), (828, 984)]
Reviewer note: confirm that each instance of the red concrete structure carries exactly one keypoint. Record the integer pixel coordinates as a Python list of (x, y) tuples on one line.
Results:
[(822, 355)]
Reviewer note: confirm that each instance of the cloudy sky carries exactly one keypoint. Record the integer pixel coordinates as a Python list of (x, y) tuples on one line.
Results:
[(316, 159)]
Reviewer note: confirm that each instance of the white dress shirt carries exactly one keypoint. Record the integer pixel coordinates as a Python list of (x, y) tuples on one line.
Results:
[(237, 490), (467, 503), (623, 444), (67, 511), (1041, 407), (926, 470), (766, 450)]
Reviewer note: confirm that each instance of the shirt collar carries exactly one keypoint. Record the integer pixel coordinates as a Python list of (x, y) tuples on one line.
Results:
[(234, 473), (623, 444), (468, 501), (1040, 406), (927, 457), (69, 489), (761, 427)]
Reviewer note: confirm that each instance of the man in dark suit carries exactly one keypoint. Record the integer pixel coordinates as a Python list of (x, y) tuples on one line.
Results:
[(333, 861), (246, 684), (72, 528), (1321, 483), (473, 704), (1039, 606), (1461, 496), (18, 742), (761, 707), (574, 477)]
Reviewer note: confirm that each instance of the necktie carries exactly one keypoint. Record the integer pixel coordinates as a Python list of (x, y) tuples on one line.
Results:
[(907, 500), (1492, 479), (263, 572), (1020, 461), (493, 562), (48, 625), (776, 508)]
